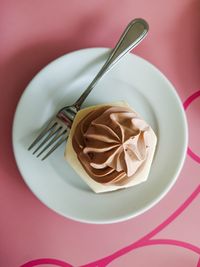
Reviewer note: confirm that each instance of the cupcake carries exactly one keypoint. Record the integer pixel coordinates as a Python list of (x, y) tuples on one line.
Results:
[(110, 147)]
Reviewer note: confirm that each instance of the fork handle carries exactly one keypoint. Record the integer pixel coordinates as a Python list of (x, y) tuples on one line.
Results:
[(131, 37)]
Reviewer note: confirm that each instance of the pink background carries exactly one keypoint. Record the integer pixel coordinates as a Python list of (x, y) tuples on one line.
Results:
[(33, 33)]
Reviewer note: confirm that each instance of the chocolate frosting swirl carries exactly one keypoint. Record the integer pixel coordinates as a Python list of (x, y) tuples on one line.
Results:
[(111, 143)]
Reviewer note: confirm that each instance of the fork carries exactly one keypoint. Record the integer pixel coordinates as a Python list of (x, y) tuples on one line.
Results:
[(57, 130)]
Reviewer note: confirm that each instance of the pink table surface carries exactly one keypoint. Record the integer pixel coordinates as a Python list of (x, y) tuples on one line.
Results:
[(33, 33)]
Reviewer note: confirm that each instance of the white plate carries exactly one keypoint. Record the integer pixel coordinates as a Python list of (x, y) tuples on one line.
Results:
[(134, 80)]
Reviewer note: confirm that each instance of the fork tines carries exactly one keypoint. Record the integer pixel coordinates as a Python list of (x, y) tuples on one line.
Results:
[(51, 137)]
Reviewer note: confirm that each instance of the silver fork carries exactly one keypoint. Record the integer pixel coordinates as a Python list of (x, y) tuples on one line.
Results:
[(57, 130)]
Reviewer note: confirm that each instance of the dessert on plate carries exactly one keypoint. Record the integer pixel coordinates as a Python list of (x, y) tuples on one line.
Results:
[(111, 147)]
